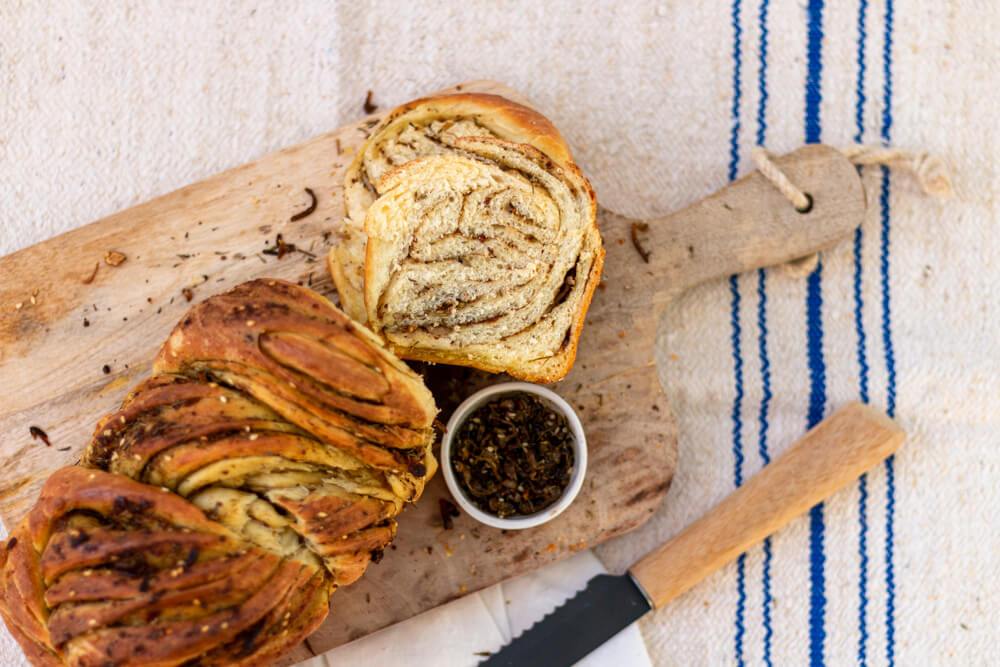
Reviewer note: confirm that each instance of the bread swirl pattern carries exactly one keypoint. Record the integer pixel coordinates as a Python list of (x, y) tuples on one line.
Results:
[(485, 258), (259, 468), (518, 149), (422, 128)]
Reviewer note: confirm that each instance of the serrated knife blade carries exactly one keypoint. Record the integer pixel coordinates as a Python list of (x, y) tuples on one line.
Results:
[(606, 606)]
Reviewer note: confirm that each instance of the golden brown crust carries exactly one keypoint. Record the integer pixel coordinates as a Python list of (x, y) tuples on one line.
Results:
[(127, 574), (213, 515), (507, 119)]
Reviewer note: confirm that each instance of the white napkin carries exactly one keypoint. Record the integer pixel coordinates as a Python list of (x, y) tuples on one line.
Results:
[(458, 633)]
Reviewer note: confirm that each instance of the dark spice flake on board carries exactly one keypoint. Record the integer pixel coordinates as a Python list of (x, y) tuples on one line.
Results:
[(309, 210), (514, 455), (637, 243), (188, 293), (370, 106), (39, 434), (448, 512), (280, 248)]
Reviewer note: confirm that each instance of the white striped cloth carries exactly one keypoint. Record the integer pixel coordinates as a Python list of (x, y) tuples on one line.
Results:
[(106, 105)]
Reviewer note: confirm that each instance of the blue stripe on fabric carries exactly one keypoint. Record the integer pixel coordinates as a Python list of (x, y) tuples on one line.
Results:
[(741, 606), (890, 576), (863, 570), (762, 75), (765, 360), (814, 327), (863, 369), (887, 74), (737, 334), (863, 481), (734, 135), (859, 325), (890, 356), (859, 108), (817, 403), (762, 448), (814, 70), (890, 480), (734, 287)]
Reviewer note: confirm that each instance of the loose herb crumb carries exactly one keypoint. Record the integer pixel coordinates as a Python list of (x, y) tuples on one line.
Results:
[(106, 369), (448, 512), (309, 210), (514, 456), (280, 248), (93, 274), (188, 293), (370, 106), (636, 228), (114, 258), (39, 434)]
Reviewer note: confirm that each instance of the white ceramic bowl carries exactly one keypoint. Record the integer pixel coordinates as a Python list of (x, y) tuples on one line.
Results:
[(579, 451)]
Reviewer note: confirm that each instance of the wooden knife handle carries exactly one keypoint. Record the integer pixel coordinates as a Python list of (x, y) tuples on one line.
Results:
[(838, 450)]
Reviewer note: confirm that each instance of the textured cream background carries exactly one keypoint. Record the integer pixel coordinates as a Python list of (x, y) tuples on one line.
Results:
[(104, 105)]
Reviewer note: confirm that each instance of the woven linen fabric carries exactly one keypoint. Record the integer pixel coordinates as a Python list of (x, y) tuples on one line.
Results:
[(105, 105)]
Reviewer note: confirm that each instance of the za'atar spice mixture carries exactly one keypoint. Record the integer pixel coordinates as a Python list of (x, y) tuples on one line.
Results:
[(513, 456)]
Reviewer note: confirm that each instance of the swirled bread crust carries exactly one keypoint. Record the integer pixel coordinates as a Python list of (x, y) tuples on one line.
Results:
[(417, 129), (211, 518), (519, 151)]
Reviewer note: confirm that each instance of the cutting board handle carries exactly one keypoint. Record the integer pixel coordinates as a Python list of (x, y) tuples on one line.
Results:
[(749, 224), (834, 453)]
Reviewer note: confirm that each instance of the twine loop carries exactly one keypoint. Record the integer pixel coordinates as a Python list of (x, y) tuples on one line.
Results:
[(930, 172)]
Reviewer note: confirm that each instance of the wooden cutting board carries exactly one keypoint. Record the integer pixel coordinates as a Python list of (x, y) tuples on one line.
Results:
[(72, 343)]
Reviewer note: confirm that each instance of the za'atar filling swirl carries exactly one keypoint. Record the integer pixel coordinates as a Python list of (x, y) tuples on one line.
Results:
[(492, 246)]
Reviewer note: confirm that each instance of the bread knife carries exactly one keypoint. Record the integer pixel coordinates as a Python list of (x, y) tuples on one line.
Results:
[(831, 455)]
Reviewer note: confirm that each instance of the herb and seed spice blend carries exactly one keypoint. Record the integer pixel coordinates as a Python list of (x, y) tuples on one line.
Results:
[(513, 456)]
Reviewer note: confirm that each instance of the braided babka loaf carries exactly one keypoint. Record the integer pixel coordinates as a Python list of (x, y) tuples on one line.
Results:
[(471, 237), (210, 519)]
